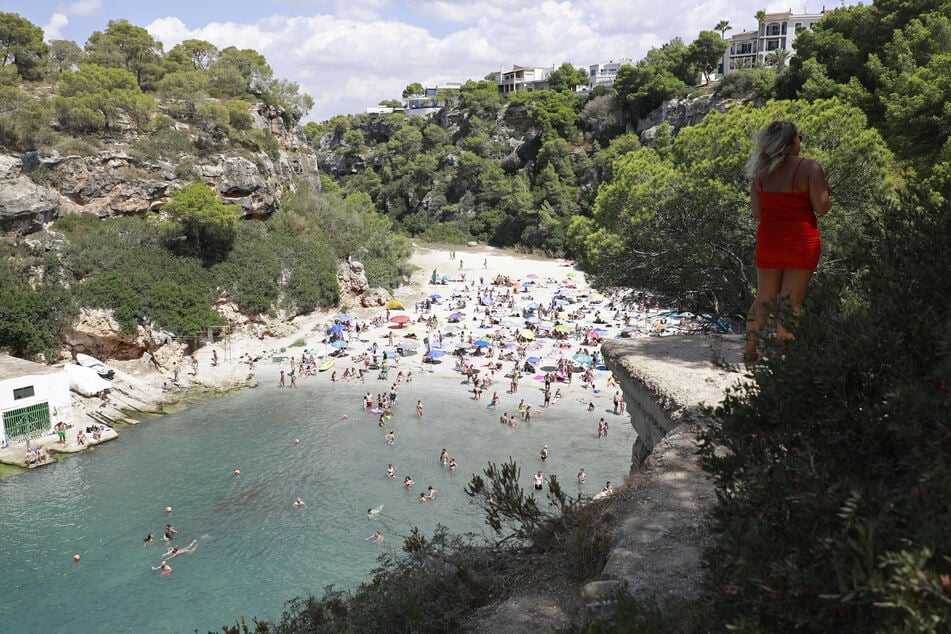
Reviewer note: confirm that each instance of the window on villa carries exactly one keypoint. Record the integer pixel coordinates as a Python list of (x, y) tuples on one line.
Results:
[(784, 28), (23, 392), (772, 45), (798, 27), (772, 29)]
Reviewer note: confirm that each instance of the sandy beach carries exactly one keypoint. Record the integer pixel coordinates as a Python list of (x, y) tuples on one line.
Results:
[(546, 291)]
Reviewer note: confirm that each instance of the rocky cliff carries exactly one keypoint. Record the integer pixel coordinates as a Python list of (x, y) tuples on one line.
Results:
[(117, 179)]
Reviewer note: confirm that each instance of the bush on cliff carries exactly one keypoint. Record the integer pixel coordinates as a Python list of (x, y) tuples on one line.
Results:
[(832, 470)]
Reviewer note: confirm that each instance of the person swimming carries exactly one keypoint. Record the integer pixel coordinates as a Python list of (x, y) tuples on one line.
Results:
[(376, 537), (390, 471), (432, 493), (299, 502), (422, 498), (148, 540), (374, 512), (164, 567), (408, 482), (169, 532), (174, 551)]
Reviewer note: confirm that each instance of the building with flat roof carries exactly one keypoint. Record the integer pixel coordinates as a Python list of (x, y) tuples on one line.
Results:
[(33, 398), (776, 31), (604, 74), (522, 79)]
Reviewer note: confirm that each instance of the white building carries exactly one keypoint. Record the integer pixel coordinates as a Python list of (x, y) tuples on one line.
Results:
[(33, 398), (522, 79), (604, 74), (775, 31)]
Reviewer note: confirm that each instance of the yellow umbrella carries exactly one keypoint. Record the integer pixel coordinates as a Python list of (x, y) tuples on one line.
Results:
[(395, 303), (562, 328), (525, 333)]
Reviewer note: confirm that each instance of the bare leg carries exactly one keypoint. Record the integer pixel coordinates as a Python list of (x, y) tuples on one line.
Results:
[(768, 285), (792, 294)]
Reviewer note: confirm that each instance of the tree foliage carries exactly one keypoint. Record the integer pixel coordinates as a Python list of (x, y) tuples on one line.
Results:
[(22, 45), (207, 224), (566, 77), (681, 222), (100, 98), (124, 45)]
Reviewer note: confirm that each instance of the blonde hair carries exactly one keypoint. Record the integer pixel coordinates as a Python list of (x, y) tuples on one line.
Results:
[(772, 145)]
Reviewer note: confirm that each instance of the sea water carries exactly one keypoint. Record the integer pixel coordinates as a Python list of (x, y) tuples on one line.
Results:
[(255, 550)]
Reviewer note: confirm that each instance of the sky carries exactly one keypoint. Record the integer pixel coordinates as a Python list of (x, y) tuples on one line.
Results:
[(351, 54)]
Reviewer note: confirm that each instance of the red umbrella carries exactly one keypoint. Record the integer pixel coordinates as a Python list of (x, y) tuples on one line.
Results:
[(399, 319)]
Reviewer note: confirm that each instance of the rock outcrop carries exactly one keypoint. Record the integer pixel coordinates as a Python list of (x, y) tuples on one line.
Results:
[(24, 205), (38, 187)]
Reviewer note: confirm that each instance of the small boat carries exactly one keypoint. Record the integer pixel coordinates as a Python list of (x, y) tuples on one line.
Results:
[(93, 363), (327, 364)]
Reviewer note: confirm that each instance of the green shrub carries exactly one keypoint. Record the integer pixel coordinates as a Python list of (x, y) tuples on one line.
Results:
[(832, 468)]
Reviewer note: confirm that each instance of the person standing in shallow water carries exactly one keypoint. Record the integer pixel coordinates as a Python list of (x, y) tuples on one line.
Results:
[(787, 192)]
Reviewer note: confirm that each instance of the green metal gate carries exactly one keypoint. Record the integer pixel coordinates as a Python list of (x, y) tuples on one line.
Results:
[(27, 422)]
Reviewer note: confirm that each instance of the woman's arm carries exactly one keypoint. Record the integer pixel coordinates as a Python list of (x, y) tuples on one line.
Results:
[(819, 189), (756, 208)]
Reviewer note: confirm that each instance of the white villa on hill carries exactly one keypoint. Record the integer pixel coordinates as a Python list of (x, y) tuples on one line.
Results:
[(775, 31), (522, 79), (604, 74)]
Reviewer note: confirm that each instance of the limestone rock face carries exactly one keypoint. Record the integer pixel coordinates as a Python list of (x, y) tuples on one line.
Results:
[(352, 277), (374, 298), (36, 188), (680, 113), (24, 205)]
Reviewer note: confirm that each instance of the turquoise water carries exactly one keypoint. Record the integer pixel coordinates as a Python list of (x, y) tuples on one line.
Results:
[(255, 550)]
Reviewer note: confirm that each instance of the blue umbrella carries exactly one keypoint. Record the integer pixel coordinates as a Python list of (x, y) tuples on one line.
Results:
[(601, 331), (343, 318), (435, 296), (528, 283), (336, 328), (533, 359), (481, 343), (338, 343), (582, 358), (435, 353)]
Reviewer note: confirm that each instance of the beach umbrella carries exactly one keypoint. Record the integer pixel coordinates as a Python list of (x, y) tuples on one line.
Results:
[(481, 343), (435, 296), (601, 331), (399, 319), (532, 276), (582, 358), (395, 303), (561, 328), (528, 283), (544, 325), (533, 359), (532, 305), (525, 333), (456, 315), (338, 343), (510, 346), (336, 328), (343, 317), (435, 353)]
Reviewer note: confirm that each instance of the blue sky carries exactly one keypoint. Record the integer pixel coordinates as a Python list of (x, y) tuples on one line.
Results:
[(350, 54)]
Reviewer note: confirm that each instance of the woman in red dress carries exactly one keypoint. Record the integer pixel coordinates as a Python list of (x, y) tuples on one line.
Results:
[(786, 193)]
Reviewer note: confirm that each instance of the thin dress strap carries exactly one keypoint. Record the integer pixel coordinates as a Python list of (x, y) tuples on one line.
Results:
[(792, 186)]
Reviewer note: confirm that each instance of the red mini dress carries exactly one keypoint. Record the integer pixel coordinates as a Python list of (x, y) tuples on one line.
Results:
[(787, 236)]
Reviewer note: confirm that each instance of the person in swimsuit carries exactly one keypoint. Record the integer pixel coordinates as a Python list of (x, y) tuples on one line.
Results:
[(787, 192)]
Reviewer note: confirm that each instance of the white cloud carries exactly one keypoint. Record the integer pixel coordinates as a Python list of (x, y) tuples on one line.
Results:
[(53, 29), (83, 7)]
